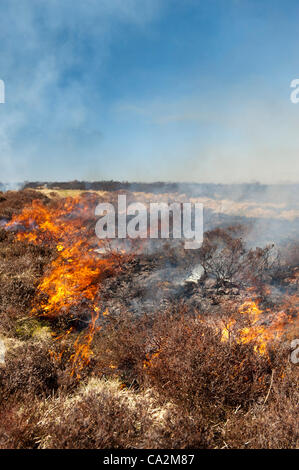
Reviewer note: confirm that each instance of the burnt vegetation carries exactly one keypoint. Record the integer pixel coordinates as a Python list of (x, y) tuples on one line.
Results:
[(135, 353)]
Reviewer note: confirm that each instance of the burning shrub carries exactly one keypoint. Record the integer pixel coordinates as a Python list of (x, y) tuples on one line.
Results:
[(195, 368), (171, 378), (69, 290), (189, 359), (13, 202)]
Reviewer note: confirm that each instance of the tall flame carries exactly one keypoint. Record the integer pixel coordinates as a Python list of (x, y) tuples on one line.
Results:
[(73, 276)]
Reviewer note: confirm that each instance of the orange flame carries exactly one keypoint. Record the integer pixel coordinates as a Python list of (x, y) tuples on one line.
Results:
[(83, 352), (261, 329), (75, 273), (148, 362)]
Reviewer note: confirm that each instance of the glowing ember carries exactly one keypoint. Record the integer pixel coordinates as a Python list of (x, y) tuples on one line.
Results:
[(148, 362)]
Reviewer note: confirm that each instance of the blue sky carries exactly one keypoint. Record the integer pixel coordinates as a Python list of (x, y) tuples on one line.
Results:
[(174, 90)]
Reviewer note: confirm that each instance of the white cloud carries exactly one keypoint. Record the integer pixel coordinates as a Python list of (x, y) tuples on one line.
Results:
[(42, 41)]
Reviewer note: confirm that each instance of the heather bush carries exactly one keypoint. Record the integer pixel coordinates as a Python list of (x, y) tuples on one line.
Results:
[(173, 384), (120, 347), (12, 202), (271, 424), (18, 423), (196, 369), (29, 370), (185, 361), (21, 266), (103, 414)]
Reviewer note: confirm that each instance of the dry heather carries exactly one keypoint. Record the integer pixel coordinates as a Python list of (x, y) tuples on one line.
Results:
[(166, 378)]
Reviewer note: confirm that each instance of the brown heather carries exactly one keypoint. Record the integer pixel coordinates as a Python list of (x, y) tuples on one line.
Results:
[(160, 379)]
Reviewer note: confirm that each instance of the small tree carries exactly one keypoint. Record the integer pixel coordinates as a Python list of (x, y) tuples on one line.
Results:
[(221, 254)]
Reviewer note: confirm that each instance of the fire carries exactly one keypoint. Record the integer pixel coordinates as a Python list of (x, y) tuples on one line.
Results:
[(76, 270), (261, 328), (73, 277), (148, 362), (71, 284), (226, 332), (83, 352)]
